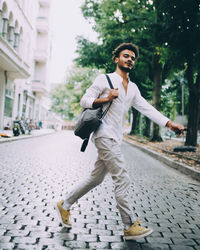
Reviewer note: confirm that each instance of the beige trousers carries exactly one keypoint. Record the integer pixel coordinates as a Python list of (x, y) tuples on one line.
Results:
[(110, 160)]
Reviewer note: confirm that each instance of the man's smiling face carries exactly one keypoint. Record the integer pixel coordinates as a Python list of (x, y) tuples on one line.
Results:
[(126, 60)]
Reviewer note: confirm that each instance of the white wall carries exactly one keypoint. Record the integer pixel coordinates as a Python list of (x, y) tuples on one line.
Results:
[(2, 97)]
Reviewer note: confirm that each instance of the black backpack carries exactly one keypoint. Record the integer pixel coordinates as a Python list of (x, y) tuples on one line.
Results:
[(90, 120)]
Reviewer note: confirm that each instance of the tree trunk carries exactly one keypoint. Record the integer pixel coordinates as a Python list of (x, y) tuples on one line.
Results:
[(157, 78), (194, 107), (147, 127), (135, 123)]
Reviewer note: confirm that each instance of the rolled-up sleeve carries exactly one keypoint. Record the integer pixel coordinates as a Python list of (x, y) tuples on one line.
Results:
[(148, 110), (93, 92)]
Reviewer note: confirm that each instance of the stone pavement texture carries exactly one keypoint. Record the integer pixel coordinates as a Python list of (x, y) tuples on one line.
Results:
[(34, 133), (36, 173)]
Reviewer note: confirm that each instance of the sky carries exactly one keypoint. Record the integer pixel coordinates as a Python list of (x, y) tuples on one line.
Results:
[(67, 23)]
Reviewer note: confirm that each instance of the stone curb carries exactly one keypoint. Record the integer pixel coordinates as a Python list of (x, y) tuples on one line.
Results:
[(166, 160), (22, 137)]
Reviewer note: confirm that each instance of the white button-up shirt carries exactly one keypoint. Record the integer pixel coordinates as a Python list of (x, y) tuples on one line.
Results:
[(113, 122)]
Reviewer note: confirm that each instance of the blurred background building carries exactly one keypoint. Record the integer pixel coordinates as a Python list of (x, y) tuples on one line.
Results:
[(25, 52)]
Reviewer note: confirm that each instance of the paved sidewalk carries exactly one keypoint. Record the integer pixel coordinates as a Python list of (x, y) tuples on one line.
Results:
[(32, 181), (34, 133)]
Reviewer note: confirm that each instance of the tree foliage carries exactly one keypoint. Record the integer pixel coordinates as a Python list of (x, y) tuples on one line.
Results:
[(172, 96), (60, 102), (168, 34), (180, 28), (127, 21), (66, 97)]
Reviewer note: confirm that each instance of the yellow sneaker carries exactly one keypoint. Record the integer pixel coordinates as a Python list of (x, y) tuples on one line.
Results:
[(63, 214), (136, 232)]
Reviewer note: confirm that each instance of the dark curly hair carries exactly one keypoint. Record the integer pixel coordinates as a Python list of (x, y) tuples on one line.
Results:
[(123, 46)]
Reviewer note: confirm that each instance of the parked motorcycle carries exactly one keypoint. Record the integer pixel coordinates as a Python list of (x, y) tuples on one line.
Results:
[(16, 128)]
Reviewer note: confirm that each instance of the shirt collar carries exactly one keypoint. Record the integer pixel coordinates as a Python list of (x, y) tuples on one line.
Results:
[(119, 77)]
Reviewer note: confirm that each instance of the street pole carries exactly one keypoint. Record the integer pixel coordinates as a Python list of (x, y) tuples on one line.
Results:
[(182, 99)]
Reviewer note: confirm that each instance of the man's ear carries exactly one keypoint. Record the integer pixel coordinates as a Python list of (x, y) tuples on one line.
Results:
[(116, 59)]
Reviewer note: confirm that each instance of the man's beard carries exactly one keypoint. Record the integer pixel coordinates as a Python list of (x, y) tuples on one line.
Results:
[(127, 70)]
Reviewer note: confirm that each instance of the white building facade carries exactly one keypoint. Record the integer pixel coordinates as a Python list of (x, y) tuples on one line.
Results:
[(25, 48)]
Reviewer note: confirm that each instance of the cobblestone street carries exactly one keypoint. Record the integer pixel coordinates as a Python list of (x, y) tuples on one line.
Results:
[(37, 172)]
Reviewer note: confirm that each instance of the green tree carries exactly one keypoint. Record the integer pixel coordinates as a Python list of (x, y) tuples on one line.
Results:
[(66, 97), (180, 29), (171, 103), (127, 21), (60, 96)]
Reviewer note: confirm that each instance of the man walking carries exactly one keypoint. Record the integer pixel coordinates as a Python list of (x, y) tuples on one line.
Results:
[(108, 138)]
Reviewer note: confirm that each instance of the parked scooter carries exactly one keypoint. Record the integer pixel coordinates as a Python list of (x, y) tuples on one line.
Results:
[(16, 128)]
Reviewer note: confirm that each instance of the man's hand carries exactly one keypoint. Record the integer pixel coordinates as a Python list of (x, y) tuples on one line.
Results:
[(177, 128), (113, 94)]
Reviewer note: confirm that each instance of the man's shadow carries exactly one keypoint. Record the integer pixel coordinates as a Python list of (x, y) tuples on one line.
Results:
[(134, 245), (129, 245)]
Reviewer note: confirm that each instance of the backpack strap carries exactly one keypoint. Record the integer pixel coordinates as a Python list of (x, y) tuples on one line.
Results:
[(84, 144), (109, 81), (111, 86)]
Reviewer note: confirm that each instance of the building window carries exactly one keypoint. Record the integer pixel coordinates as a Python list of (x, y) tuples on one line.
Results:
[(11, 35), (25, 98), (4, 20), (5, 27), (37, 112), (16, 41), (8, 106), (31, 105), (9, 97), (1, 22), (18, 105), (16, 36)]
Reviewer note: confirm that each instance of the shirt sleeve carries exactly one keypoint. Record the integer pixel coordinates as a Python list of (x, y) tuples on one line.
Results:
[(93, 92), (148, 110)]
